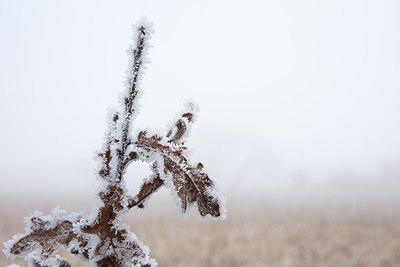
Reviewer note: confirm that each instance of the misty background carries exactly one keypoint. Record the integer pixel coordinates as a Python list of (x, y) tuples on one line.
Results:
[(294, 96)]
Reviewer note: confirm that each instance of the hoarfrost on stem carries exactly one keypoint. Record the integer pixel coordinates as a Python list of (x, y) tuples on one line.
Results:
[(98, 238)]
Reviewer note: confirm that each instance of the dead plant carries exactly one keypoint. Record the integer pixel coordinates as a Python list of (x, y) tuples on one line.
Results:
[(98, 238)]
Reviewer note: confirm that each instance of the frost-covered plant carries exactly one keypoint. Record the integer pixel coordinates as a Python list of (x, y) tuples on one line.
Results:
[(98, 238)]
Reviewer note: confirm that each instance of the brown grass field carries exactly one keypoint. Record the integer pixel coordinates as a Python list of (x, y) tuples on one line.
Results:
[(256, 232)]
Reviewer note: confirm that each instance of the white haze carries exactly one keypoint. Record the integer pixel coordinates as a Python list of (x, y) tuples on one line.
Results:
[(293, 94)]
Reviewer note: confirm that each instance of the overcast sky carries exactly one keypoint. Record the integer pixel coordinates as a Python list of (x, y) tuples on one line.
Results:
[(290, 92)]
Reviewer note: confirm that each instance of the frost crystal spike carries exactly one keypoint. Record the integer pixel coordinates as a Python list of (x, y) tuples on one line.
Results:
[(98, 238)]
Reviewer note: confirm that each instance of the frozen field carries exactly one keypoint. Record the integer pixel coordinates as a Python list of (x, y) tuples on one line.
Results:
[(271, 233)]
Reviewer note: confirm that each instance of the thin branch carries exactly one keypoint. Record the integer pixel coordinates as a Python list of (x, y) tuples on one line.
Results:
[(128, 100)]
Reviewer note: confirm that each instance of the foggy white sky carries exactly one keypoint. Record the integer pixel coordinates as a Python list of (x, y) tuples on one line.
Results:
[(290, 91)]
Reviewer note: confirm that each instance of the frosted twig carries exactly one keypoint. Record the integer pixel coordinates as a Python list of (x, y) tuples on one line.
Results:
[(98, 238)]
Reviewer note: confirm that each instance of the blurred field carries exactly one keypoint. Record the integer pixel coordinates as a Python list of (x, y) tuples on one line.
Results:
[(256, 232)]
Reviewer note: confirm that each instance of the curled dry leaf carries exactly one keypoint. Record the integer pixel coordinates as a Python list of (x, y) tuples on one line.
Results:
[(191, 184)]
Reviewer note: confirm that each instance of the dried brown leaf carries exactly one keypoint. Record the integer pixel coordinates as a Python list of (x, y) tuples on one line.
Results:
[(43, 234), (191, 184), (148, 187)]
